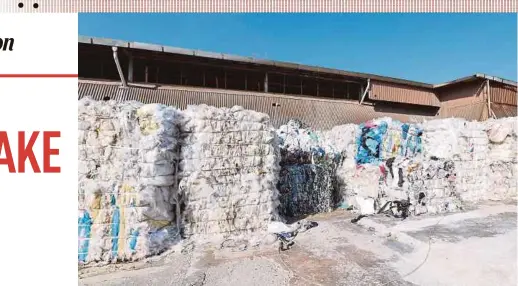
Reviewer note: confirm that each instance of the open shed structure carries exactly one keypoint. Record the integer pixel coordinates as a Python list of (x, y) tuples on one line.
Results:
[(321, 97)]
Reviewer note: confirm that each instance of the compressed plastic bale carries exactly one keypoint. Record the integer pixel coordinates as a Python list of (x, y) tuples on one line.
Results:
[(126, 179), (502, 159), (307, 177), (229, 171), (306, 189), (440, 138), (432, 186)]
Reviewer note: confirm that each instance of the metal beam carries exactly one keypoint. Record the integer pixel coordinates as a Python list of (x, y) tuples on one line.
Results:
[(130, 69), (366, 91), (119, 69), (266, 82)]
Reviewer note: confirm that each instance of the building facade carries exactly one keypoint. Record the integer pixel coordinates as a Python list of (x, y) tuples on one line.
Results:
[(321, 97)]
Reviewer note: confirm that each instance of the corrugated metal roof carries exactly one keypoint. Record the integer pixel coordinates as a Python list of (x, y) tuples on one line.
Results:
[(318, 113), (384, 91), (222, 56)]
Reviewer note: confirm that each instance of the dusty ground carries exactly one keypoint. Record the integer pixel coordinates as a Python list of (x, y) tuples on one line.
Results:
[(476, 247)]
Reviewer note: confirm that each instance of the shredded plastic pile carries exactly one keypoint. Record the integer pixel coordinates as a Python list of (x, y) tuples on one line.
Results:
[(229, 171), (126, 179)]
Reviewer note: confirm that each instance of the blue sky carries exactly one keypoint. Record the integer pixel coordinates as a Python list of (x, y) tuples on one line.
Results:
[(431, 48)]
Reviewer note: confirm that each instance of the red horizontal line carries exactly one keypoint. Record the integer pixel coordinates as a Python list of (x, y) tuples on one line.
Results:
[(14, 75)]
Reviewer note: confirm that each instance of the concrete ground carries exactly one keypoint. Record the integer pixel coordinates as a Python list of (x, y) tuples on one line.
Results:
[(476, 247)]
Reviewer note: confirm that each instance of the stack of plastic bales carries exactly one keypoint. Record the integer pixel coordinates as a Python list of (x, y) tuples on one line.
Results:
[(307, 176), (126, 179), (379, 174), (440, 138), (229, 171), (401, 140), (343, 139), (472, 163), (503, 165), (432, 186)]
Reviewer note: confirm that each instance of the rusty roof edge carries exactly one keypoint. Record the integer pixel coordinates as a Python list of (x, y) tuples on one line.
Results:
[(474, 77), (497, 79)]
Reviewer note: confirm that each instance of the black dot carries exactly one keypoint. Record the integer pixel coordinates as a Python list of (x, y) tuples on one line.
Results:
[(20, 5), (35, 5)]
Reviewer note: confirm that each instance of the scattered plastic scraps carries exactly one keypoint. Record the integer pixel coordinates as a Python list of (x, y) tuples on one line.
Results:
[(286, 233), (396, 209)]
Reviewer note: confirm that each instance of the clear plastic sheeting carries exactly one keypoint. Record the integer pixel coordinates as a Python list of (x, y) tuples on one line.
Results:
[(229, 168), (127, 158)]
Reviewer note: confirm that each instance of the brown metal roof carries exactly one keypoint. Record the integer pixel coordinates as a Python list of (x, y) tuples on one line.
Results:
[(318, 113), (222, 56), (251, 60)]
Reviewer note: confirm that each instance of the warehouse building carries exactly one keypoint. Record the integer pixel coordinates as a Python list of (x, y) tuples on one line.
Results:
[(321, 97)]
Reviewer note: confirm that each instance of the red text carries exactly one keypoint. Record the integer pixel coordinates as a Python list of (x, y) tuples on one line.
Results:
[(26, 152)]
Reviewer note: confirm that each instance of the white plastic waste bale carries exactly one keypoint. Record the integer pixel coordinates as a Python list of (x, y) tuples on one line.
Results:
[(472, 179), (343, 140), (440, 138), (502, 173), (361, 183), (503, 148), (472, 163), (503, 177), (229, 171), (126, 178), (344, 179), (294, 136), (432, 186)]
